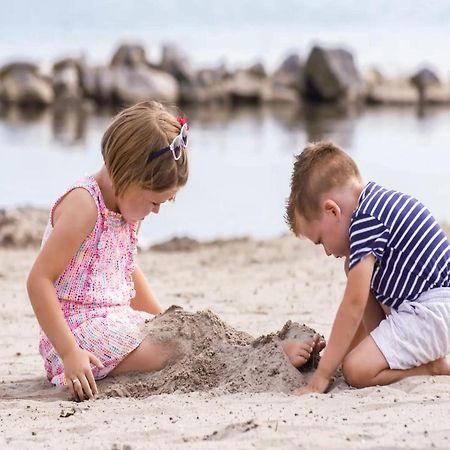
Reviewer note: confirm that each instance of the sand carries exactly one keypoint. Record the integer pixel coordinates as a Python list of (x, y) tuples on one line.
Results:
[(232, 389), (215, 357)]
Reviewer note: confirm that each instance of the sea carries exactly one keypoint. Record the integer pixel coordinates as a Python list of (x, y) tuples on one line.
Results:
[(240, 159)]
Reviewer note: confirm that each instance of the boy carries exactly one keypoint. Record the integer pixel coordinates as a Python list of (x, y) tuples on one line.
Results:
[(394, 319)]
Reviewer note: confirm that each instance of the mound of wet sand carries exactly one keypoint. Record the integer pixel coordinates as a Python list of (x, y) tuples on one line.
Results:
[(215, 357)]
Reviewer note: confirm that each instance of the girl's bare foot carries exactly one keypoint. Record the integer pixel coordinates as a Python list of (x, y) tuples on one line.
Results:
[(299, 352), (319, 343)]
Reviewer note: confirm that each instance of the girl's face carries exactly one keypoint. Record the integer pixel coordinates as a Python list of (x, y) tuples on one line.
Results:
[(136, 203)]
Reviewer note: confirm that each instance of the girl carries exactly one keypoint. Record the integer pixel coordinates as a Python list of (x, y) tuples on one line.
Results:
[(86, 291), (89, 296)]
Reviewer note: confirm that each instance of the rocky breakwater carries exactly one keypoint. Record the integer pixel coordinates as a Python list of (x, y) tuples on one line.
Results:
[(326, 75)]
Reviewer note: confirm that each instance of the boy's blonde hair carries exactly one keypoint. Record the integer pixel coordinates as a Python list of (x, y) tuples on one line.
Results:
[(321, 167), (133, 135)]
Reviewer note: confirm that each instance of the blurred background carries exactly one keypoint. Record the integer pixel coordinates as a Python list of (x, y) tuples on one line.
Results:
[(257, 81)]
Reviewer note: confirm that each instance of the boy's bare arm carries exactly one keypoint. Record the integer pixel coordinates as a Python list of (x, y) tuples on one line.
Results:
[(345, 325), (144, 299)]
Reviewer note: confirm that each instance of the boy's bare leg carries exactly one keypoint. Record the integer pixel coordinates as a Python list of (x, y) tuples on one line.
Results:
[(366, 366), (147, 357), (373, 315)]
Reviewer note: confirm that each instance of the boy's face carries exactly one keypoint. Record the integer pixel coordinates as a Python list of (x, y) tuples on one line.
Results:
[(330, 230)]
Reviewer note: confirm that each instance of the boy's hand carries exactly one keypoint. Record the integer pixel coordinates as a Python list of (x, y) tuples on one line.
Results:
[(78, 373), (318, 383)]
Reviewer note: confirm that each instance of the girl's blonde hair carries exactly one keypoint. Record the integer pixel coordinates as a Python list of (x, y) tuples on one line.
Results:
[(133, 135)]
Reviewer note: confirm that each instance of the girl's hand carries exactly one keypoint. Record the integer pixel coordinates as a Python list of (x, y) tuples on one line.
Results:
[(78, 373), (299, 352)]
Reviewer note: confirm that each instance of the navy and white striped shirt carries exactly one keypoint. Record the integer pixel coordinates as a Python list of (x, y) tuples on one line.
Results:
[(411, 250)]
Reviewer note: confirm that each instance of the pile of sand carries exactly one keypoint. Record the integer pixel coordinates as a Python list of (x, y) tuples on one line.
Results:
[(215, 357)]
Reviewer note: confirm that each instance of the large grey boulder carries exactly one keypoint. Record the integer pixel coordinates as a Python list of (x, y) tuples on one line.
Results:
[(143, 83), (99, 84), (177, 64), (68, 79), (291, 73), (126, 85), (246, 86), (423, 80), (331, 75), (207, 87), (22, 84)]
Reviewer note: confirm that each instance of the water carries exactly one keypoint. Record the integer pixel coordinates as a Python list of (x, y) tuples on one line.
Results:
[(395, 35), (240, 162)]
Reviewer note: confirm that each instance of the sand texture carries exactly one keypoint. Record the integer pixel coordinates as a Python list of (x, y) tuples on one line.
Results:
[(230, 388)]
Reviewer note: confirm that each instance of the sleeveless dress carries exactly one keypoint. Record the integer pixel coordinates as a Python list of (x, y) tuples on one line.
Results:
[(95, 291)]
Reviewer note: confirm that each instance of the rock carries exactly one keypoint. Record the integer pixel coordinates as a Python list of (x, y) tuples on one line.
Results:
[(244, 88), (206, 87), (22, 84), (331, 75), (126, 85), (176, 64), (143, 83), (424, 78), (257, 70), (22, 227), (395, 91), (129, 55), (67, 79), (422, 81), (277, 90), (438, 94), (292, 64), (99, 84), (291, 74)]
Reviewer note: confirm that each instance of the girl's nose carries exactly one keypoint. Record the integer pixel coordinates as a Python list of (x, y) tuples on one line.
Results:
[(155, 209)]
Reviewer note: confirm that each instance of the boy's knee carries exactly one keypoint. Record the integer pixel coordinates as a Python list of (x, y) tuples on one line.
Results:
[(353, 373)]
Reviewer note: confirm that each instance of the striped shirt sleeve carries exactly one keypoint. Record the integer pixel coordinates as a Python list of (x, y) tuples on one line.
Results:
[(367, 236)]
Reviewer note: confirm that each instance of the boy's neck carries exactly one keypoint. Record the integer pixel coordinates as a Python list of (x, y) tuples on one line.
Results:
[(106, 187)]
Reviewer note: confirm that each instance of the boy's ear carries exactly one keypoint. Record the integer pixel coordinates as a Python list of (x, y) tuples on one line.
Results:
[(331, 207)]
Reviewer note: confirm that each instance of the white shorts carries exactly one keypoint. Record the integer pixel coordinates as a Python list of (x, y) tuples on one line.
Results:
[(418, 332)]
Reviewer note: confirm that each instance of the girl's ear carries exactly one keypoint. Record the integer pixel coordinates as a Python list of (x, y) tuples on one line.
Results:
[(331, 207)]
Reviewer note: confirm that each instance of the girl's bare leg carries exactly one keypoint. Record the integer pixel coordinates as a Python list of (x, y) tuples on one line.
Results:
[(147, 357)]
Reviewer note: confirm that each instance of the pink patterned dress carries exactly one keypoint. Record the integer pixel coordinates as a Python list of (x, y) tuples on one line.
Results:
[(95, 291)]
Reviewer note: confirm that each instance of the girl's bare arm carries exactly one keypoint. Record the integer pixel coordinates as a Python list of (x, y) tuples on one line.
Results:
[(74, 218), (144, 300)]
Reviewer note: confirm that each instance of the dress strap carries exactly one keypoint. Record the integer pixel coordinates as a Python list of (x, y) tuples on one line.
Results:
[(91, 186)]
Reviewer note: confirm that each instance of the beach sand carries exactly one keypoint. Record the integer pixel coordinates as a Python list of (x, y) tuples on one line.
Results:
[(231, 390)]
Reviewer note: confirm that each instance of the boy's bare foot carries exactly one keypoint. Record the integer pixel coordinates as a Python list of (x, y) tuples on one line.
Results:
[(440, 367)]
